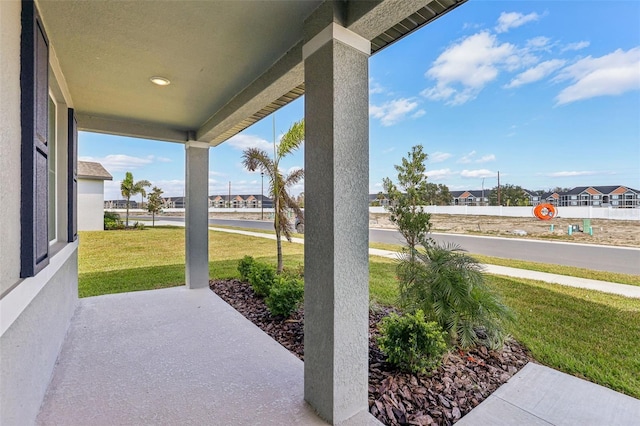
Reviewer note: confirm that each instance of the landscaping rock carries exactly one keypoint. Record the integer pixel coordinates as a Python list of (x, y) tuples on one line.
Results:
[(463, 381)]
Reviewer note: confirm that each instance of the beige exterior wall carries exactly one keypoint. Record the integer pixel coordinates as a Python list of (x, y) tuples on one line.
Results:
[(9, 144), (90, 205)]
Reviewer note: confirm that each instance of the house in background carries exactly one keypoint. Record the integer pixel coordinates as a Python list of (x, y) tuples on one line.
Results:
[(91, 177), (470, 198), (601, 196)]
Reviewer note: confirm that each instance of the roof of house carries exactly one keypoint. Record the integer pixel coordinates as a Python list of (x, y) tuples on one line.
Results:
[(92, 170), (606, 190), (467, 194)]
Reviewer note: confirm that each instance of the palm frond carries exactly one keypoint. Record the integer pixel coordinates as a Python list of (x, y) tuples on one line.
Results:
[(257, 159), (294, 177), (292, 139)]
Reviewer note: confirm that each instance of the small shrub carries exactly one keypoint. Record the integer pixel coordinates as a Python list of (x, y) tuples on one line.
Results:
[(112, 221), (285, 296), (139, 225), (295, 272), (261, 277), (244, 267), (411, 343)]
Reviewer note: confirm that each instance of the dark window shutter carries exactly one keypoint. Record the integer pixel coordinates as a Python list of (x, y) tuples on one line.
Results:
[(34, 86), (72, 178)]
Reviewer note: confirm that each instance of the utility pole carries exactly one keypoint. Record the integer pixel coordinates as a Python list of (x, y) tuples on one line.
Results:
[(483, 191), (229, 194), (499, 188), (262, 196)]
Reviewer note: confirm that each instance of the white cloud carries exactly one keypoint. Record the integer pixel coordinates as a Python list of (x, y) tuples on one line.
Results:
[(463, 69), (536, 73), (609, 75), (388, 150), (375, 87), (439, 174), (467, 158), (216, 173), (419, 113), (571, 173), (161, 159), (486, 158), (242, 142), (539, 43), (439, 157), (481, 173), (391, 112), (120, 162), (171, 187), (508, 20), (576, 46)]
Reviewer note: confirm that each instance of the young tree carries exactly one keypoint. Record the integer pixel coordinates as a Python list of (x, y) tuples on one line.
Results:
[(255, 158), (406, 199), (438, 194), (154, 203), (510, 195), (129, 188)]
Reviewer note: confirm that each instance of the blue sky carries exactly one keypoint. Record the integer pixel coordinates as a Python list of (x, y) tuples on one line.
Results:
[(546, 93)]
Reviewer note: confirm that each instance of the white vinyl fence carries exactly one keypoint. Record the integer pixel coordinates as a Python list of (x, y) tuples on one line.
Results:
[(566, 212)]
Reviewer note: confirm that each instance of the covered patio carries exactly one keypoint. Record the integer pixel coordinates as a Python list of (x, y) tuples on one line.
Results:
[(94, 66), (169, 357)]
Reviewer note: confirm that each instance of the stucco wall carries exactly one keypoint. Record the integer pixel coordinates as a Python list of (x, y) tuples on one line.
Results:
[(9, 144), (30, 346), (90, 205)]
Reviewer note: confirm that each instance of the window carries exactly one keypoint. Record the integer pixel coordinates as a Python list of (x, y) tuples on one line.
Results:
[(596, 197), (614, 197), (52, 170), (574, 197)]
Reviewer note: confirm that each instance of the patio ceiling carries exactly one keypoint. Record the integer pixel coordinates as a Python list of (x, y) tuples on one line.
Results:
[(230, 63)]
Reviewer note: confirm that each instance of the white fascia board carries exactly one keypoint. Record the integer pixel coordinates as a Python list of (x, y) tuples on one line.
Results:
[(334, 31)]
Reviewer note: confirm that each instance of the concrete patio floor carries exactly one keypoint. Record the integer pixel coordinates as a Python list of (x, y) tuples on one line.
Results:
[(178, 357), (172, 357)]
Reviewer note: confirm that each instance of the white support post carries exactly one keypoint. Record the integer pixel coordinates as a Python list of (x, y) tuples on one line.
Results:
[(197, 214)]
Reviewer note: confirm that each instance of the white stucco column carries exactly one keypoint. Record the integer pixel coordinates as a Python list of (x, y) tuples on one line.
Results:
[(197, 214), (336, 257)]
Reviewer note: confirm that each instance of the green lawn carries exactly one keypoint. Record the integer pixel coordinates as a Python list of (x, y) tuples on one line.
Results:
[(542, 267), (585, 333)]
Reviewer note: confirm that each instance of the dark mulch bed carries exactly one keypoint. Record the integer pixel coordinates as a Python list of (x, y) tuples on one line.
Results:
[(463, 381)]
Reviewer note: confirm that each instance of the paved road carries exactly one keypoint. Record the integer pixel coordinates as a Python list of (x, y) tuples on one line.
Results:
[(604, 258)]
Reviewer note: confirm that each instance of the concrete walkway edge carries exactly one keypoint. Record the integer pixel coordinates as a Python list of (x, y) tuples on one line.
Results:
[(603, 286)]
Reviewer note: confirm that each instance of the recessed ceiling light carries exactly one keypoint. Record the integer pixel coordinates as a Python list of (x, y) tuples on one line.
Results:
[(160, 81)]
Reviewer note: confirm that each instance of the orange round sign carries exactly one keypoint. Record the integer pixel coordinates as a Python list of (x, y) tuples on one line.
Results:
[(544, 211)]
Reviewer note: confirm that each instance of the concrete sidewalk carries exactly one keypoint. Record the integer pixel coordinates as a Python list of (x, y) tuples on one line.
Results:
[(603, 286), (539, 395)]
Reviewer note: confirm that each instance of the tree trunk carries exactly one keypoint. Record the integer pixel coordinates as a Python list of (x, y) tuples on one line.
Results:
[(127, 218), (279, 246), (153, 220)]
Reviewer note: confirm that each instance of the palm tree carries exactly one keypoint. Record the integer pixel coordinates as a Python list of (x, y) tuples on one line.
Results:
[(129, 188), (449, 286), (255, 158)]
